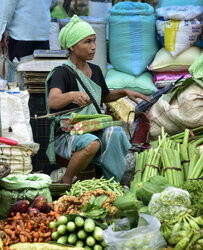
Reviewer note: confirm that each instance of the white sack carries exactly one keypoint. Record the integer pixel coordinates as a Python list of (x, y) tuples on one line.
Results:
[(187, 12), (185, 112), (15, 117)]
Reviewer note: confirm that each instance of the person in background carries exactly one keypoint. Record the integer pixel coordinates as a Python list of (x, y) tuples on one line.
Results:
[(24, 26), (107, 147), (66, 5)]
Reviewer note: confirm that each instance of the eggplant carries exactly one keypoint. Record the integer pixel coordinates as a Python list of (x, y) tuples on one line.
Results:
[(41, 203), (20, 206), (47, 209), (33, 211)]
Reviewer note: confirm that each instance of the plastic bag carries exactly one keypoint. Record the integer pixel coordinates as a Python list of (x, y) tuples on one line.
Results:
[(170, 203), (146, 236), (188, 12)]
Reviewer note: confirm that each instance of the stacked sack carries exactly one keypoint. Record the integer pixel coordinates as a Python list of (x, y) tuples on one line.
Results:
[(132, 46), (178, 29)]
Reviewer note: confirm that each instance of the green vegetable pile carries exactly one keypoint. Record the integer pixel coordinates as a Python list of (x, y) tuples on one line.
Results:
[(170, 203), (78, 231), (177, 158), (80, 187), (179, 227), (184, 232), (195, 189)]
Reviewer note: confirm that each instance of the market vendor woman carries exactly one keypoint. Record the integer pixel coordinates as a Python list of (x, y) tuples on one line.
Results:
[(107, 147)]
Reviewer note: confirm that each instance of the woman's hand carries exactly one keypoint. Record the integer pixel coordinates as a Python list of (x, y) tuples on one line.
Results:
[(133, 95), (80, 98)]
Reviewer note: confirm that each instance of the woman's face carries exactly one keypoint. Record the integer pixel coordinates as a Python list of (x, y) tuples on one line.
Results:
[(85, 49)]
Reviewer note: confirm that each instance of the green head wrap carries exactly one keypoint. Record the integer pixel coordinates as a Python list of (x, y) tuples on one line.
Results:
[(74, 31)]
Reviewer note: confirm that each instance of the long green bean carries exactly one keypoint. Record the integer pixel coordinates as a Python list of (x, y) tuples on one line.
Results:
[(81, 187)]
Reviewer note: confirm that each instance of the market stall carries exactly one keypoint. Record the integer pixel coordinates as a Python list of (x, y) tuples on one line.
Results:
[(161, 204)]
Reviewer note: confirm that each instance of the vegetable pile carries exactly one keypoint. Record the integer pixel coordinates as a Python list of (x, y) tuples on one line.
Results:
[(179, 227), (24, 227), (195, 189), (78, 231), (177, 158), (100, 201), (80, 187)]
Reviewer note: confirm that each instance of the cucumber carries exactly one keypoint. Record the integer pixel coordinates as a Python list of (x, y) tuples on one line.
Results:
[(72, 238), (97, 247), (55, 235), (62, 220), (71, 226), (98, 233), (79, 243), (103, 243), (63, 239), (88, 248), (81, 234), (90, 241), (79, 221), (89, 225), (62, 229)]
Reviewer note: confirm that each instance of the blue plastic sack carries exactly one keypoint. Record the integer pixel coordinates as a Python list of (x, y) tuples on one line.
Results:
[(166, 3), (132, 37)]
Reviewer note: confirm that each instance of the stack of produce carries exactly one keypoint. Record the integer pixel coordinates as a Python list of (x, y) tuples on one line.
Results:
[(24, 227), (95, 204), (78, 231), (179, 227), (28, 223), (176, 158), (93, 198)]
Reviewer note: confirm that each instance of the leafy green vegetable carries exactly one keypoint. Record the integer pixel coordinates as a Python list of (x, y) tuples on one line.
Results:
[(170, 203), (94, 207), (195, 189)]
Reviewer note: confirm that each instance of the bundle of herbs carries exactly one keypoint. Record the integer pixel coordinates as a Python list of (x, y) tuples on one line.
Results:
[(195, 189)]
